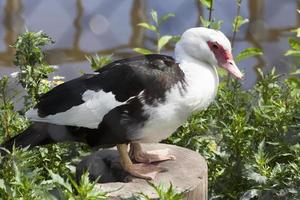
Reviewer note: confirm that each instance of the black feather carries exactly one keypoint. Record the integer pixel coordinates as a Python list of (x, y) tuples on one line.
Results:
[(153, 74)]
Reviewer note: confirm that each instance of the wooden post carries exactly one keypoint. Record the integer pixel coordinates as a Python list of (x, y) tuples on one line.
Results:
[(188, 173)]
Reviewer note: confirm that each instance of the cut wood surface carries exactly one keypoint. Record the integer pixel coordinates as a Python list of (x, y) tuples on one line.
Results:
[(188, 173)]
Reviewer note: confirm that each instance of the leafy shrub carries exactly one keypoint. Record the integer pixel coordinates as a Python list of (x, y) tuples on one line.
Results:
[(11, 122), (250, 140), (29, 58), (25, 174), (161, 41), (163, 192), (97, 62)]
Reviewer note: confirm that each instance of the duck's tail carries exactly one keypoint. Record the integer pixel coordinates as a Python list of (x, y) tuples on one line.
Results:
[(40, 133)]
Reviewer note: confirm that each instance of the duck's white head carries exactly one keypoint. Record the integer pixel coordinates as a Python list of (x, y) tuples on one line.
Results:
[(207, 45)]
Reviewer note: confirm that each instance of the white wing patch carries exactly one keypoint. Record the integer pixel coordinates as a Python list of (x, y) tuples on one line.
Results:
[(89, 114)]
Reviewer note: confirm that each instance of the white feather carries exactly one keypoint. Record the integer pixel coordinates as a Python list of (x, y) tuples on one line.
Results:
[(198, 64), (89, 114), (202, 82)]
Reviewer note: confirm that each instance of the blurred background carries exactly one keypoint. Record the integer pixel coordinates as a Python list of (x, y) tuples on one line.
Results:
[(105, 27)]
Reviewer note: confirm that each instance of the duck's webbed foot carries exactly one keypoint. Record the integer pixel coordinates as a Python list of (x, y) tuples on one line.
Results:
[(140, 170), (137, 154)]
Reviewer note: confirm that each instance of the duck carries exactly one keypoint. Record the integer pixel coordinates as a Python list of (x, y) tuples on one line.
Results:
[(142, 99)]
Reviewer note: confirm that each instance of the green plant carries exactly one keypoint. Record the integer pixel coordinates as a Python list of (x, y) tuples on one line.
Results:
[(32, 76), (247, 53), (295, 48), (163, 192), (25, 174), (20, 179), (229, 132), (210, 22), (11, 122), (237, 22), (97, 62), (29, 175), (30, 59), (161, 41), (71, 190)]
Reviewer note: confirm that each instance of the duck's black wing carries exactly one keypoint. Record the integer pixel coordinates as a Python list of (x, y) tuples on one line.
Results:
[(105, 108), (151, 74)]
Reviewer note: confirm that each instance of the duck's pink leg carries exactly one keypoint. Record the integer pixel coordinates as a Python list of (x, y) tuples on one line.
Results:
[(137, 154), (140, 170)]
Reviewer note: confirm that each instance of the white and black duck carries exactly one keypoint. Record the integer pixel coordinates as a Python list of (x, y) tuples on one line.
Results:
[(133, 100)]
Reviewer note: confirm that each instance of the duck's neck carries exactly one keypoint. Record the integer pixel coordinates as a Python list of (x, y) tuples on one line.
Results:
[(202, 81), (196, 68)]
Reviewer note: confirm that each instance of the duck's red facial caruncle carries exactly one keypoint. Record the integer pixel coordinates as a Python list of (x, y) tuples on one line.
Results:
[(225, 59)]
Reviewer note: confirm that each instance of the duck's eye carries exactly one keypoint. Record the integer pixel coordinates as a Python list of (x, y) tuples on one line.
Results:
[(215, 46)]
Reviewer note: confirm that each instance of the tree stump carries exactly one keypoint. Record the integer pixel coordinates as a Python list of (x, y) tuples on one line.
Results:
[(188, 173)]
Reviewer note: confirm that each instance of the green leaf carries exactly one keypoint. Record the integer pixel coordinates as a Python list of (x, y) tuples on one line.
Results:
[(59, 180), (222, 72), (292, 53), (163, 41), (238, 2), (204, 22), (206, 3), (212, 24), (142, 51), (249, 52), (2, 185), (257, 177), (154, 16), (165, 18), (297, 72), (238, 22), (97, 62), (147, 26), (176, 38), (216, 25), (250, 194), (165, 193), (294, 44), (297, 31)]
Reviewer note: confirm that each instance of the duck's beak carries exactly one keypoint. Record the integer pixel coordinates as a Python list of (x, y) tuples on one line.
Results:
[(231, 67)]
